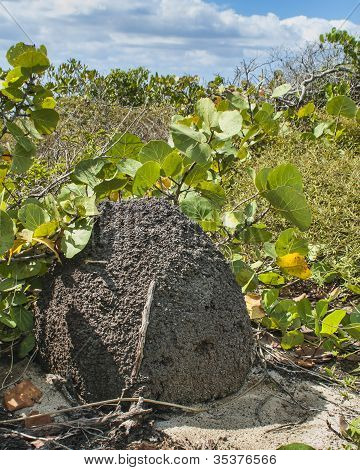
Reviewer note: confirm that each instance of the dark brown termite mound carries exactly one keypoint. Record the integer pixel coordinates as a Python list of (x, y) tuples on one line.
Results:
[(149, 308)]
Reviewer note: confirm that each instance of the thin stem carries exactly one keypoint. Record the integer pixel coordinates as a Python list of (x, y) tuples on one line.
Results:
[(244, 201), (185, 175)]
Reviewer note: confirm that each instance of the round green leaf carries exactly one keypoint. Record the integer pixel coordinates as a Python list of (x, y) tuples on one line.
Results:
[(125, 146), (45, 120), (32, 216), (172, 164), (244, 275), (206, 110), (291, 204), (24, 318), (199, 153), (285, 175), (129, 167), (76, 237), (196, 207), (331, 322), (15, 51), (32, 59), (115, 184), (145, 177), (342, 106), (255, 235), (290, 242), (184, 137), (26, 345), (281, 90), (230, 122), (86, 171), (22, 159), (20, 137), (155, 150), (13, 93), (214, 192), (6, 232), (306, 110)]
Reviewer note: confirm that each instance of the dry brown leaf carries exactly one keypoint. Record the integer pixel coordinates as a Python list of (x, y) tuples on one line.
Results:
[(307, 350), (343, 425), (23, 395), (306, 363), (253, 305), (37, 443), (32, 420)]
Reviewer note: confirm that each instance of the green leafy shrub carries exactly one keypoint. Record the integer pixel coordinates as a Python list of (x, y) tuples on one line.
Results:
[(193, 169)]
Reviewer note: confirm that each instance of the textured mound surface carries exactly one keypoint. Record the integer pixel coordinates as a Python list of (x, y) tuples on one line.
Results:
[(150, 307)]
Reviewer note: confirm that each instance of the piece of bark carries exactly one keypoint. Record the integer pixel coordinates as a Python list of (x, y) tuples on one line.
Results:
[(32, 420)]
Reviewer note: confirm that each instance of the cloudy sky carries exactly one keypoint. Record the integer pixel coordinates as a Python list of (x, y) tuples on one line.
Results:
[(170, 36)]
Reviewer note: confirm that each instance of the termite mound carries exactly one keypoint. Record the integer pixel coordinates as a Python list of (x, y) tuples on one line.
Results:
[(149, 308)]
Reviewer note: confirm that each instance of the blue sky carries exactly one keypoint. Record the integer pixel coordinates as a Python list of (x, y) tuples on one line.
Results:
[(171, 36), (328, 9)]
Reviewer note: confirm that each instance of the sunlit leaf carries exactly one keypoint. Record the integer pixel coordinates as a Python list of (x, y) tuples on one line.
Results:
[(331, 322), (146, 176), (254, 307), (230, 122), (295, 265), (342, 105), (155, 150), (271, 278), (32, 216), (281, 90)]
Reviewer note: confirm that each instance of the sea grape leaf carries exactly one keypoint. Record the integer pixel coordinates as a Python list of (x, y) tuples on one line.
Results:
[(341, 105), (6, 232), (155, 150), (146, 176), (289, 241), (230, 122), (295, 265), (76, 237), (32, 216)]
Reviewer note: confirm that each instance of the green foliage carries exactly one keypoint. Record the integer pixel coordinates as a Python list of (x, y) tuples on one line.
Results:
[(353, 431), (296, 446), (134, 87), (350, 44), (210, 143)]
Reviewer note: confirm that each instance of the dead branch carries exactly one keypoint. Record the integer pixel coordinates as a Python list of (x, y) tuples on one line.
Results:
[(142, 332)]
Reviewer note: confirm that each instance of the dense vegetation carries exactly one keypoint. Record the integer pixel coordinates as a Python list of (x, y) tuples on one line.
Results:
[(233, 157)]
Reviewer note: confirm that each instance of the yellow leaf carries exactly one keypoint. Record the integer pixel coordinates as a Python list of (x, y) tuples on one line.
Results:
[(114, 196), (7, 158), (164, 183), (49, 244), (253, 305), (16, 248), (46, 229), (295, 265)]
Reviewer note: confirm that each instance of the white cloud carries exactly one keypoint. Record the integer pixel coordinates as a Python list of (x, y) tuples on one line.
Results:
[(187, 36)]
